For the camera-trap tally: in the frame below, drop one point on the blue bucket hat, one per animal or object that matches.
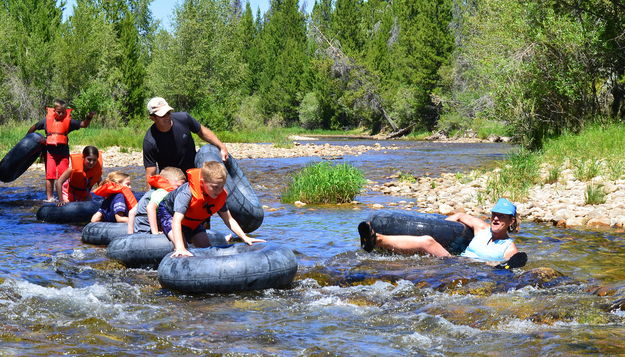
(504, 206)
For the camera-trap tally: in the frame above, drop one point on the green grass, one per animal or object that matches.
(517, 175)
(595, 194)
(322, 182)
(553, 176)
(596, 150)
(407, 177)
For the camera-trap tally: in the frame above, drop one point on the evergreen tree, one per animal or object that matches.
(282, 50)
(33, 28)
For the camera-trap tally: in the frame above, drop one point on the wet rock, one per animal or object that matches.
(601, 290)
(618, 305)
(299, 204)
(539, 276)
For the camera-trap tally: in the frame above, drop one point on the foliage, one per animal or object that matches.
(325, 183)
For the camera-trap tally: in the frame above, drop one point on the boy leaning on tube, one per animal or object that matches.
(182, 211)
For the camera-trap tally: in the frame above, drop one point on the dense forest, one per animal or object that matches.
(533, 67)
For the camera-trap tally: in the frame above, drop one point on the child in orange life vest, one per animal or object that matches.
(142, 218)
(182, 211)
(119, 199)
(76, 182)
(57, 124)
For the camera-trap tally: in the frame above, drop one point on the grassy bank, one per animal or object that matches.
(599, 150)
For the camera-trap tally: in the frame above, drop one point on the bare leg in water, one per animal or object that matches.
(411, 245)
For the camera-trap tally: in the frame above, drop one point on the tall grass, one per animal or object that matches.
(514, 179)
(595, 194)
(596, 150)
(325, 183)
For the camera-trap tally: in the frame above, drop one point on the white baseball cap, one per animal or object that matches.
(158, 106)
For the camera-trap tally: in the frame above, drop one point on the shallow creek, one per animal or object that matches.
(60, 296)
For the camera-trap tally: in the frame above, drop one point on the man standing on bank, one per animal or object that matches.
(168, 142)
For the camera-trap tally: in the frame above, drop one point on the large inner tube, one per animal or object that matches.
(146, 250)
(242, 200)
(453, 236)
(102, 233)
(21, 156)
(235, 268)
(72, 212)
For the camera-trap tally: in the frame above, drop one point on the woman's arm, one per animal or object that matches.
(512, 250)
(472, 222)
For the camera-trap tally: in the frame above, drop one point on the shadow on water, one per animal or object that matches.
(58, 295)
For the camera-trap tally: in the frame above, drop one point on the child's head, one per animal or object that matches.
(174, 175)
(119, 178)
(90, 155)
(60, 108)
(213, 178)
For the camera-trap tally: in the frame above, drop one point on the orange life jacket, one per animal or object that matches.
(57, 129)
(108, 188)
(81, 181)
(202, 206)
(159, 181)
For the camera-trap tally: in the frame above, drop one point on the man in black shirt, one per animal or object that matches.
(168, 142)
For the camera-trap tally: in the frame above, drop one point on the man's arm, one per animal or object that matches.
(149, 171)
(207, 135)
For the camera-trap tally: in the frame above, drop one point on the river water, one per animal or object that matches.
(60, 296)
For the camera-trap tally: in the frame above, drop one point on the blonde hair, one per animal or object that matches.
(116, 177)
(173, 174)
(214, 171)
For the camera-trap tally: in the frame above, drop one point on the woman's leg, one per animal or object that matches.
(411, 245)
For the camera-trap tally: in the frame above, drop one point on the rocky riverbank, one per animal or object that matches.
(122, 157)
(562, 203)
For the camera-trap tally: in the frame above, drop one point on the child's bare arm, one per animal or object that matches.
(151, 209)
(131, 220)
(121, 218)
(59, 185)
(180, 249)
(236, 229)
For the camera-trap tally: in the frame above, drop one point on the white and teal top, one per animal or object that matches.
(482, 248)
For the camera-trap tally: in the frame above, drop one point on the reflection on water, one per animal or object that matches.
(58, 295)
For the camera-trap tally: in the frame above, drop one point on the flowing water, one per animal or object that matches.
(60, 296)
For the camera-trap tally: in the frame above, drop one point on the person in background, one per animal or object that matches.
(168, 142)
(57, 124)
(118, 198)
(142, 218)
(85, 172)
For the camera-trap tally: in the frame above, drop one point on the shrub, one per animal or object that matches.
(325, 183)
(310, 112)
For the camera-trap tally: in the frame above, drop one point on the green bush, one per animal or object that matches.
(325, 183)
(310, 112)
